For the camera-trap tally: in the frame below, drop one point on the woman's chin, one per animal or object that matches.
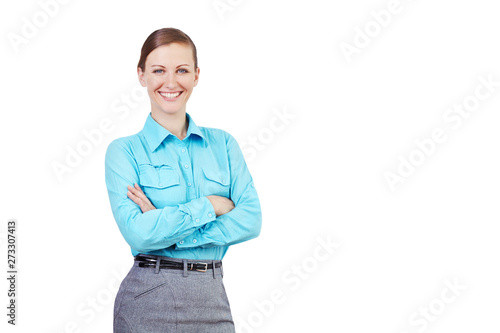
(169, 111)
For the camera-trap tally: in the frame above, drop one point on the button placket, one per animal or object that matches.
(187, 169)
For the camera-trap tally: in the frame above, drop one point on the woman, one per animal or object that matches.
(181, 195)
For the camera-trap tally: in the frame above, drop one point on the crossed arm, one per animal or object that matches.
(202, 222)
(222, 205)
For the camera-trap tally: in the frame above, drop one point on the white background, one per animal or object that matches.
(320, 178)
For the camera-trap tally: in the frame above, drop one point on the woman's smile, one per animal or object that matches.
(170, 96)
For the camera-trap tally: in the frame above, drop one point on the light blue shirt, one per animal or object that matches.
(177, 175)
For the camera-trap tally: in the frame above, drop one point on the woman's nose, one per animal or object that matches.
(170, 81)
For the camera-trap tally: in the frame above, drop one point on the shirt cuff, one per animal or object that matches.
(201, 211)
(190, 241)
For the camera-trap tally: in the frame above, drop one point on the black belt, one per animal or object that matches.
(152, 261)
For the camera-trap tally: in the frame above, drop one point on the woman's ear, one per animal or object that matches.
(140, 74)
(196, 76)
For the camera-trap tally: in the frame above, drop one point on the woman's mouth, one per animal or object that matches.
(170, 96)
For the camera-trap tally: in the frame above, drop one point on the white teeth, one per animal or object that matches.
(170, 95)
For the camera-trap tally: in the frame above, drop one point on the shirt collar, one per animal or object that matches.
(155, 133)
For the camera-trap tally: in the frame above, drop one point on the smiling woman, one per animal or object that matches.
(180, 195)
(169, 80)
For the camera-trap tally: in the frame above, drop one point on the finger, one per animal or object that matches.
(135, 199)
(134, 189)
(138, 192)
(131, 196)
(138, 188)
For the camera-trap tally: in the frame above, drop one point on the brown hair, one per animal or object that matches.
(162, 37)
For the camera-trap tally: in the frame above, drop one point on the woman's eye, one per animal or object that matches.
(182, 70)
(158, 71)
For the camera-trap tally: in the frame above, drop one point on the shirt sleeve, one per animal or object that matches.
(244, 221)
(155, 229)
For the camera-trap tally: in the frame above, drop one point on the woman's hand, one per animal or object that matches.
(136, 195)
(222, 205)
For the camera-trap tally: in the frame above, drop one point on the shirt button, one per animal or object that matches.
(194, 240)
(189, 184)
(160, 185)
(197, 220)
(181, 242)
(186, 166)
(183, 150)
(209, 214)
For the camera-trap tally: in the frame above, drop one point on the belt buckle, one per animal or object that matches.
(204, 269)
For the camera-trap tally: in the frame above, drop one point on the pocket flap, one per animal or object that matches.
(217, 176)
(158, 176)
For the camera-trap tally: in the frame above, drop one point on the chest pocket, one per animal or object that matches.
(216, 182)
(159, 177)
(161, 184)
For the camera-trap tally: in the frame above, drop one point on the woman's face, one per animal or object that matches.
(169, 76)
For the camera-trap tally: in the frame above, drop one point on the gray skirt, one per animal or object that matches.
(170, 300)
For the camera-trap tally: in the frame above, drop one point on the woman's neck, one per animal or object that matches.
(175, 123)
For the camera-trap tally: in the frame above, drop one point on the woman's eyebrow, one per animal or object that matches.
(164, 66)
